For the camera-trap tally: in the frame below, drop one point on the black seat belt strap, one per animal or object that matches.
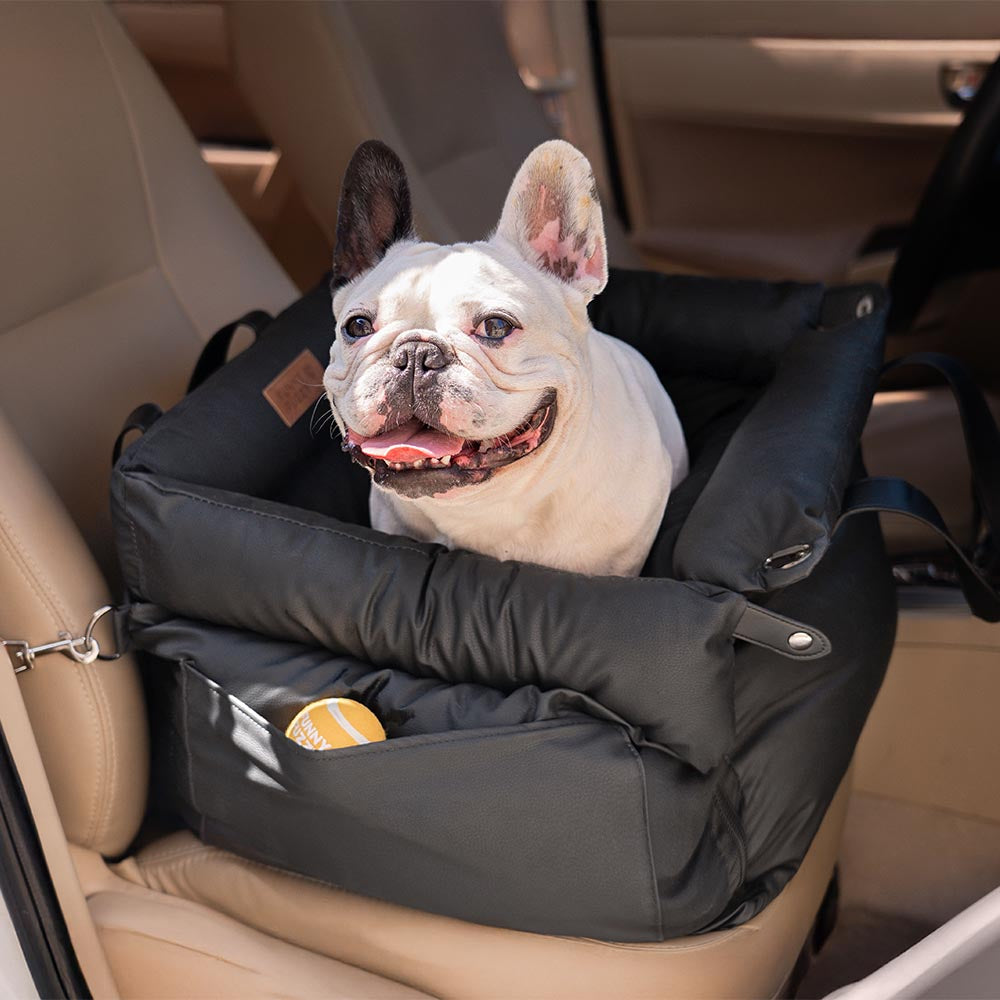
(982, 440)
(896, 496)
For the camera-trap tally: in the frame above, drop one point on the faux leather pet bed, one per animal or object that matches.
(625, 759)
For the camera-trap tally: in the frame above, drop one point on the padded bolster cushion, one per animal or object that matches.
(628, 644)
(808, 425)
(782, 478)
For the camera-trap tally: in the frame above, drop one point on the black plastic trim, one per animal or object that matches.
(27, 889)
(596, 37)
(885, 238)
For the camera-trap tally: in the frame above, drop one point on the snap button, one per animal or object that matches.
(800, 641)
(865, 306)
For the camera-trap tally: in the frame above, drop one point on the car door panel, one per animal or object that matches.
(775, 138)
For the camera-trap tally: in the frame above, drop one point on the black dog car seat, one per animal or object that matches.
(625, 759)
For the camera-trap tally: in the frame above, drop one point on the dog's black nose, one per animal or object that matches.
(422, 355)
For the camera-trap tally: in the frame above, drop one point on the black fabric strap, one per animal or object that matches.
(140, 419)
(213, 356)
(214, 353)
(896, 496)
(982, 438)
(982, 441)
(120, 631)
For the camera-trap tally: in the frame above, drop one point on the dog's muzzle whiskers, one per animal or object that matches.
(316, 425)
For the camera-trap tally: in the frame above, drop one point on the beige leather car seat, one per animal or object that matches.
(121, 254)
(433, 79)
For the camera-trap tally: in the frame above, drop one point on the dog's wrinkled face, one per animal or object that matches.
(457, 365)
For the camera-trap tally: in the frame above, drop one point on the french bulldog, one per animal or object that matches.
(468, 380)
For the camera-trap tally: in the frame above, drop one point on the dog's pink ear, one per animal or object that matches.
(553, 217)
(374, 210)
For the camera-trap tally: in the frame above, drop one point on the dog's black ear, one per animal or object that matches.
(374, 210)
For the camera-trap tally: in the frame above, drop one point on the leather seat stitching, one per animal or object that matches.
(33, 575)
(185, 860)
(154, 859)
(93, 715)
(20, 324)
(185, 857)
(131, 932)
(107, 747)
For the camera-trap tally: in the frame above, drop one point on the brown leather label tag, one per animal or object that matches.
(296, 388)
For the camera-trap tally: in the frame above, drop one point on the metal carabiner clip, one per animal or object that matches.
(82, 649)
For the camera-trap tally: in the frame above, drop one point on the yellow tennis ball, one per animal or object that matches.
(333, 723)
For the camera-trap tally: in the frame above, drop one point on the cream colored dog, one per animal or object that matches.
(468, 380)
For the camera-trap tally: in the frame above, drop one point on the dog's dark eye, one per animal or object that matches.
(358, 326)
(495, 328)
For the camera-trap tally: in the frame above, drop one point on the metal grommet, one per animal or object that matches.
(787, 558)
(865, 306)
(800, 641)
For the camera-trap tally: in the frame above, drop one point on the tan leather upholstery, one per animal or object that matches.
(163, 948)
(452, 959)
(19, 736)
(89, 721)
(121, 255)
(322, 77)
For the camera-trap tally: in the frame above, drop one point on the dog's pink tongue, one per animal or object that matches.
(408, 443)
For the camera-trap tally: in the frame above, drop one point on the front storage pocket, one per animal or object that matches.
(540, 827)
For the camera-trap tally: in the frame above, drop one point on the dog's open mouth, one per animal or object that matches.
(413, 453)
